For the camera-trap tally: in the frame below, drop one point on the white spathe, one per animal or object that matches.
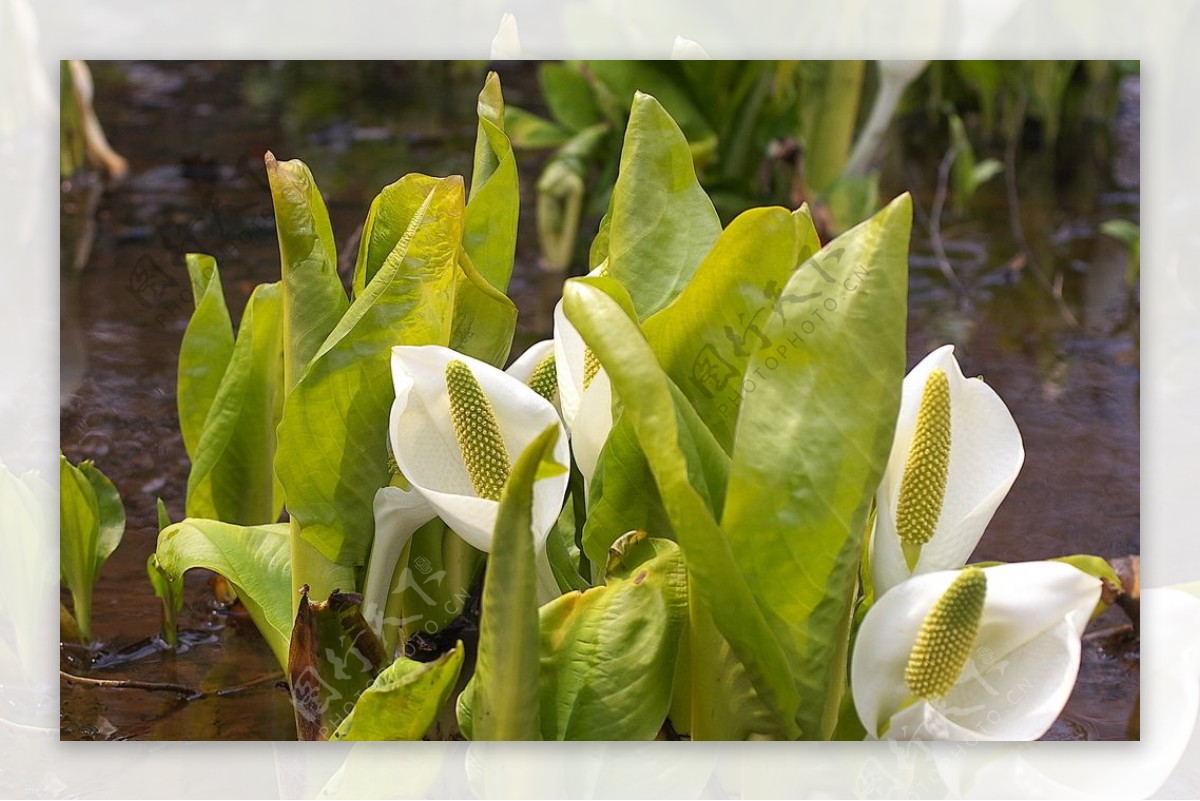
(587, 411)
(1022, 667)
(986, 454)
(398, 515)
(428, 454)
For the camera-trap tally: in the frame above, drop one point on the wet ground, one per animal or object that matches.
(1055, 334)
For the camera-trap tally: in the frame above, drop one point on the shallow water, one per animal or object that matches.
(195, 135)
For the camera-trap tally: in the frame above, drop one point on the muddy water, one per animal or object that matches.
(195, 135)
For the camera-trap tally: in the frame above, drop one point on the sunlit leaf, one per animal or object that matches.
(79, 536)
(205, 351)
(674, 441)
(313, 297)
(490, 226)
(801, 483)
(332, 453)
(705, 338)
(404, 700)
(608, 653)
(254, 559)
(661, 224)
(232, 477)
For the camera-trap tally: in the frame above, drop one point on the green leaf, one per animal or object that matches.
(561, 552)
(388, 219)
(569, 96)
(79, 540)
(111, 514)
(332, 453)
(624, 496)
(164, 519)
(801, 484)
(170, 593)
(662, 224)
(531, 132)
(313, 297)
(669, 437)
(624, 80)
(968, 174)
(254, 559)
(490, 224)
(828, 139)
(232, 477)
(484, 317)
(705, 337)
(608, 653)
(503, 695)
(404, 700)
(333, 657)
(985, 78)
(205, 351)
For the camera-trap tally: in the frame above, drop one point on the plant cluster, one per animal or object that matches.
(712, 505)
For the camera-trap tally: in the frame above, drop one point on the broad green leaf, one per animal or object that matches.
(332, 658)
(79, 540)
(662, 224)
(704, 339)
(503, 694)
(232, 479)
(254, 559)
(669, 442)
(110, 514)
(205, 351)
(313, 297)
(332, 453)
(404, 700)
(608, 653)
(802, 483)
(389, 217)
(490, 224)
(529, 131)
(484, 317)
(569, 96)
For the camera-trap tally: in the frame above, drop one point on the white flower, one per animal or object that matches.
(978, 654)
(585, 395)
(955, 455)
(456, 426)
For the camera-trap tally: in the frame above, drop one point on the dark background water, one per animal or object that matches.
(195, 134)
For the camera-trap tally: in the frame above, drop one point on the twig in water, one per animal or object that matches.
(131, 684)
(189, 693)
